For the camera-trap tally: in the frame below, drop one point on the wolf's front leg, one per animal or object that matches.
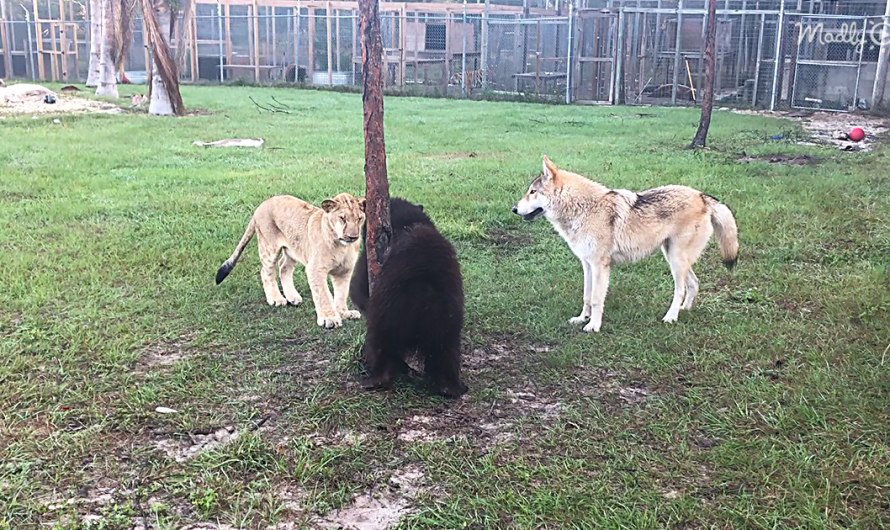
(588, 287)
(327, 316)
(341, 293)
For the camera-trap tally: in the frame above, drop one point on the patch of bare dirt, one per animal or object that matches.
(196, 443)
(788, 160)
(163, 353)
(611, 388)
(26, 99)
(506, 238)
(381, 507)
(831, 128)
(795, 307)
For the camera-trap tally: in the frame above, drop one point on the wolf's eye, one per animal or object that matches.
(532, 192)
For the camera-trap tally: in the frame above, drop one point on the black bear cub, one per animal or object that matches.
(417, 307)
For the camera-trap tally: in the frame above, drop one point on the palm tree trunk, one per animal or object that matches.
(707, 102)
(107, 68)
(95, 43)
(165, 97)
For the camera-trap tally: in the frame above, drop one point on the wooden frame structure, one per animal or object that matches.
(55, 30)
(329, 12)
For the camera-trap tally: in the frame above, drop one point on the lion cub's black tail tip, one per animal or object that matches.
(223, 271)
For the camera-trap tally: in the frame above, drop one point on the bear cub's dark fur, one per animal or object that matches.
(417, 308)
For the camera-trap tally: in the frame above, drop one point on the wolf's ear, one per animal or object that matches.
(328, 205)
(549, 168)
(361, 203)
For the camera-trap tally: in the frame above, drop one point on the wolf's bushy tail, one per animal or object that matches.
(229, 264)
(726, 232)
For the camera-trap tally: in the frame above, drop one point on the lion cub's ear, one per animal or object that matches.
(328, 205)
(361, 203)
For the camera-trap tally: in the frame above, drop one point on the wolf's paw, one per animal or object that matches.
(330, 321)
(350, 314)
(592, 327)
(669, 319)
(578, 320)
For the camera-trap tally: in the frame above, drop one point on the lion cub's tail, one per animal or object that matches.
(229, 264)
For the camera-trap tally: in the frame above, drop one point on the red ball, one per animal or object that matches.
(857, 134)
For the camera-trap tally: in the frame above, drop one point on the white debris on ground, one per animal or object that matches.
(28, 99)
(381, 508)
(232, 142)
(182, 450)
(831, 128)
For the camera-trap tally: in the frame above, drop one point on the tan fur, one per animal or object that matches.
(604, 226)
(325, 240)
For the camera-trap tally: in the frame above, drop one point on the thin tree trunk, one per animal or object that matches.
(707, 102)
(379, 230)
(95, 43)
(107, 68)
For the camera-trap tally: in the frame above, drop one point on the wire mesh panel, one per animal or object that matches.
(829, 55)
(597, 40)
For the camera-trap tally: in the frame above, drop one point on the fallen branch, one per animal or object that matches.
(267, 109)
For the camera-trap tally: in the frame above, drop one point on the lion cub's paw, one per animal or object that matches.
(277, 302)
(330, 321)
(297, 300)
(350, 314)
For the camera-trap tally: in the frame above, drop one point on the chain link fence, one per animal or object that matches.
(640, 53)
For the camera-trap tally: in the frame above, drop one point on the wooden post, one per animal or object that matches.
(403, 43)
(330, 51)
(416, 46)
(75, 41)
(228, 36)
(40, 67)
(446, 72)
(63, 41)
(274, 38)
(4, 40)
(337, 38)
(354, 45)
(53, 56)
(296, 44)
(194, 49)
(256, 42)
(310, 66)
(266, 44)
(379, 230)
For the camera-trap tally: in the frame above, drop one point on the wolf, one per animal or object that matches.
(604, 226)
(416, 309)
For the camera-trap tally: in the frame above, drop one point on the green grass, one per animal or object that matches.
(767, 406)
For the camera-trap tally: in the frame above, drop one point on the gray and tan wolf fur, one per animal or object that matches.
(325, 240)
(604, 226)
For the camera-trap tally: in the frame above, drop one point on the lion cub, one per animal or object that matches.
(325, 240)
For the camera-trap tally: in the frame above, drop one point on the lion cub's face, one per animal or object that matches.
(345, 215)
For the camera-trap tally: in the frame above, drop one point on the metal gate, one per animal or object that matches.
(828, 70)
(597, 50)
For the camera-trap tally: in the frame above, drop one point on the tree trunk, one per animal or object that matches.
(707, 102)
(107, 68)
(379, 230)
(95, 42)
(165, 97)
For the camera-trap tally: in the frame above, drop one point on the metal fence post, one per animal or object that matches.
(779, 30)
(569, 53)
(859, 64)
(297, 46)
(463, 56)
(619, 55)
(757, 62)
(483, 63)
(222, 76)
(30, 44)
(677, 53)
